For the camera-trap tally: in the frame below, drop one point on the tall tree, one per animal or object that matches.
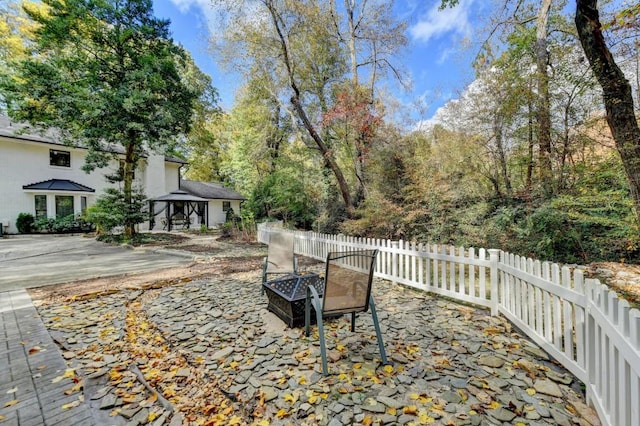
(616, 90)
(106, 73)
(544, 98)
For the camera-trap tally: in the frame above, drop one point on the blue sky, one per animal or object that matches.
(438, 64)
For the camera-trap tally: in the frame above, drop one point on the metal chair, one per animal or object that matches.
(347, 289)
(280, 257)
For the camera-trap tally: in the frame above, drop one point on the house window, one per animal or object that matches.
(226, 206)
(83, 204)
(41, 207)
(64, 205)
(59, 158)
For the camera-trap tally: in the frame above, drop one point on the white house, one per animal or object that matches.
(42, 176)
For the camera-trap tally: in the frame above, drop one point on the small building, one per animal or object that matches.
(221, 199)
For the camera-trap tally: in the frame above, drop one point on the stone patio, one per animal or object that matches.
(208, 352)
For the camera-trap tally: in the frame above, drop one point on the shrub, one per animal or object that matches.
(25, 222)
(111, 210)
(65, 224)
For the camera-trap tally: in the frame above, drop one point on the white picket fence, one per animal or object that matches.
(580, 323)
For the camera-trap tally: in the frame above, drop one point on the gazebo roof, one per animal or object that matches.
(180, 195)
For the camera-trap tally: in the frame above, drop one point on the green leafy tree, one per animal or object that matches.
(106, 74)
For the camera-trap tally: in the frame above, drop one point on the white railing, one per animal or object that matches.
(580, 323)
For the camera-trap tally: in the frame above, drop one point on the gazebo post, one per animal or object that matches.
(168, 214)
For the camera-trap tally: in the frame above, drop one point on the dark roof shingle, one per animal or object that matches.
(210, 190)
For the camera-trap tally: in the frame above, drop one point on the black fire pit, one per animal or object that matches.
(287, 296)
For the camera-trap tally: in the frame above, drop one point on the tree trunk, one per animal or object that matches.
(617, 94)
(300, 111)
(544, 113)
(127, 176)
(529, 178)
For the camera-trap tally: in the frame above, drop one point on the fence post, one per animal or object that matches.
(394, 260)
(493, 259)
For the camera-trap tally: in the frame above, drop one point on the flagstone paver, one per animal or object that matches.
(452, 364)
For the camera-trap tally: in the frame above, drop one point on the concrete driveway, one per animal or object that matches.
(38, 260)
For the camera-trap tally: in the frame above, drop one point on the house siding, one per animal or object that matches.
(24, 162)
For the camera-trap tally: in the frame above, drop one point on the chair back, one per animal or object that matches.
(348, 278)
(280, 257)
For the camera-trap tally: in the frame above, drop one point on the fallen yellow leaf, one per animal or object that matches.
(282, 413)
(494, 405)
(11, 403)
(531, 391)
(410, 409)
(290, 398)
(235, 420)
(388, 368)
(425, 419)
(70, 405)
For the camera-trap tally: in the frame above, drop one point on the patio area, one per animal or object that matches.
(208, 352)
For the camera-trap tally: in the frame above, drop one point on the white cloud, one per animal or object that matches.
(206, 7)
(436, 23)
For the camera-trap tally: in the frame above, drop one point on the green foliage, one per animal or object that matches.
(70, 223)
(24, 222)
(111, 210)
(105, 74)
(281, 196)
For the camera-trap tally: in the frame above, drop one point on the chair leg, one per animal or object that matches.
(312, 297)
(353, 322)
(383, 354)
(264, 276)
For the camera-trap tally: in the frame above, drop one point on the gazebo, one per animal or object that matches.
(179, 206)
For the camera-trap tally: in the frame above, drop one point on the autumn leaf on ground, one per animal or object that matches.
(2, 417)
(71, 405)
(235, 420)
(425, 419)
(11, 403)
(34, 350)
(290, 398)
(14, 390)
(388, 368)
(410, 409)
(282, 413)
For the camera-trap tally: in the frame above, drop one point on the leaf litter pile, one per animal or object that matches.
(134, 371)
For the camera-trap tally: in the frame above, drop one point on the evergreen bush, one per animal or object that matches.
(25, 222)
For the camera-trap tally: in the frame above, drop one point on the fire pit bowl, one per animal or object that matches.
(287, 295)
